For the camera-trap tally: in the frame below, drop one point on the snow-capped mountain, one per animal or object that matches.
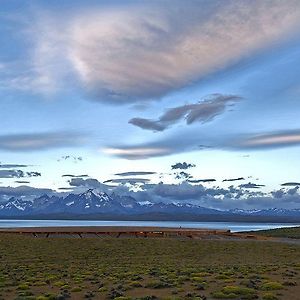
(267, 212)
(15, 207)
(93, 202)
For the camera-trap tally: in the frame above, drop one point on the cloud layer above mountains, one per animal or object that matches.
(245, 196)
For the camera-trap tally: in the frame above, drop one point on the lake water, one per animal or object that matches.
(233, 226)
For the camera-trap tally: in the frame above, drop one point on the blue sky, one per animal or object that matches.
(102, 87)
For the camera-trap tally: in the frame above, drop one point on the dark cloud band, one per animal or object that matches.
(203, 112)
(135, 173)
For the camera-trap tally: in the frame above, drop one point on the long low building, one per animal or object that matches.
(122, 231)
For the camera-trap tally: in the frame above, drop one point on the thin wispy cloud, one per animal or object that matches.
(269, 140)
(127, 180)
(22, 181)
(135, 173)
(12, 166)
(190, 142)
(233, 179)
(136, 152)
(40, 141)
(75, 176)
(251, 185)
(291, 184)
(201, 180)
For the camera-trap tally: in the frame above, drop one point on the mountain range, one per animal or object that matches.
(93, 204)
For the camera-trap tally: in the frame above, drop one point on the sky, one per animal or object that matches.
(194, 101)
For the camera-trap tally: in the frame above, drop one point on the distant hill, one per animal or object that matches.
(96, 205)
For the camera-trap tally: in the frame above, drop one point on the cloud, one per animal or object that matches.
(182, 166)
(11, 173)
(149, 49)
(40, 141)
(22, 181)
(128, 180)
(278, 194)
(81, 184)
(148, 124)
(185, 192)
(268, 140)
(293, 191)
(192, 142)
(162, 147)
(183, 175)
(74, 176)
(234, 179)
(33, 174)
(89, 183)
(136, 152)
(291, 184)
(250, 185)
(135, 173)
(201, 180)
(203, 112)
(181, 191)
(219, 198)
(12, 166)
(75, 159)
(23, 191)
(17, 174)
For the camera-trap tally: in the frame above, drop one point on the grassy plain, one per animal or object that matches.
(137, 268)
(292, 232)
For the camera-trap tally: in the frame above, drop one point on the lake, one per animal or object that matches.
(233, 226)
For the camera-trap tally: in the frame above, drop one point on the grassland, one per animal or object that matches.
(292, 232)
(136, 268)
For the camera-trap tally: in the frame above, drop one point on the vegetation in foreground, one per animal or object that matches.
(133, 268)
(291, 232)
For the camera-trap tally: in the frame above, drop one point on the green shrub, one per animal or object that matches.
(76, 289)
(41, 298)
(271, 285)
(59, 283)
(197, 279)
(232, 289)
(269, 296)
(23, 286)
